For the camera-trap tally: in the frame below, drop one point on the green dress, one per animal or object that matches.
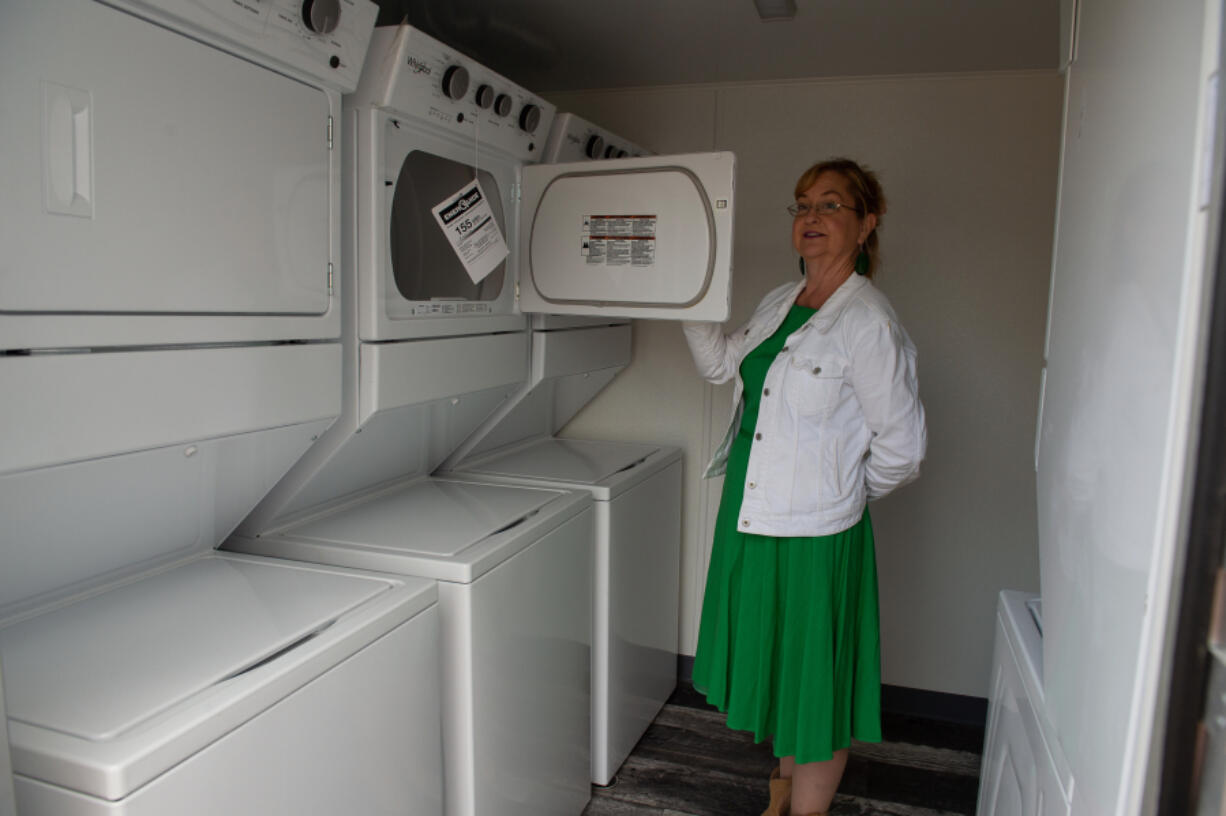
(788, 644)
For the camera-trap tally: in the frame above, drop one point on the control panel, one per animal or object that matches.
(325, 39)
(414, 76)
(573, 139)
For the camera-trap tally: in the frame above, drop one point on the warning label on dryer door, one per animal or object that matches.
(619, 240)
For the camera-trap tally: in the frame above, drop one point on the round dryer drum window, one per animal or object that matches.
(424, 264)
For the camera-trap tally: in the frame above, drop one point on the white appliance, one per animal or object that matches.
(1025, 772)
(636, 488)
(428, 121)
(170, 214)
(637, 493)
(573, 139)
(649, 238)
(513, 567)
(1122, 389)
(428, 356)
(228, 684)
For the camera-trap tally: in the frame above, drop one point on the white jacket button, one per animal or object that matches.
(752, 485)
(745, 523)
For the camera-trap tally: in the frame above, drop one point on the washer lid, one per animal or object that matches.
(432, 518)
(579, 461)
(104, 665)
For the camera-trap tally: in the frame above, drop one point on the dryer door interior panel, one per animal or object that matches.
(646, 237)
(199, 190)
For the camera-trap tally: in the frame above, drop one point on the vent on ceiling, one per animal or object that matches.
(775, 10)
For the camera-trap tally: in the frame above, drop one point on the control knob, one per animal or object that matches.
(595, 144)
(484, 96)
(455, 82)
(530, 118)
(321, 16)
(502, 105)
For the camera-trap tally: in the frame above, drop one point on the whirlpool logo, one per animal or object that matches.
(418, 66)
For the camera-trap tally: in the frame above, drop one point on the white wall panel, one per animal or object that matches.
(1121, 396)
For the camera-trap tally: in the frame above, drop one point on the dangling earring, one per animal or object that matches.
(803, 271)
(862, 261)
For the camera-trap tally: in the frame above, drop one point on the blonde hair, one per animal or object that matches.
(865, 188)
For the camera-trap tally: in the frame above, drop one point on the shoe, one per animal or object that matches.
(781, 796)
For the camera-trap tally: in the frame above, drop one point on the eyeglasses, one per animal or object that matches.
(799, 209)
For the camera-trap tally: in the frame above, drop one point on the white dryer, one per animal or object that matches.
(169, 350)
(429, 123)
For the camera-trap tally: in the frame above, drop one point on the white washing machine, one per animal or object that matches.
(513, 567)
(169, 350)
(227, 684)
(1024, 771)
(637, 490)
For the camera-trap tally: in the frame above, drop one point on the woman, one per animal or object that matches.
(827, 415)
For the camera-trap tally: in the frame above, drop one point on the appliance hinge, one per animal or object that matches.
(329, 132)
(329, 278)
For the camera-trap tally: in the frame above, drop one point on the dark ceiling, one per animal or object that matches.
(563, 45)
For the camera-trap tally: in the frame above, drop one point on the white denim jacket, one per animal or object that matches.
(840, 420)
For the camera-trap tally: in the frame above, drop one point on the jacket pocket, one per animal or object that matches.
(811, 387)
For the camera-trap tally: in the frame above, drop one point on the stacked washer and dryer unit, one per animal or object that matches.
(170, 213)
(636, 488)
(429, 355)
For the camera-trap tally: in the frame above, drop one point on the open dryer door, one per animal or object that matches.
(646, 237)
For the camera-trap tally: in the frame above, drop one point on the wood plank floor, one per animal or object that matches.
(689, 764)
